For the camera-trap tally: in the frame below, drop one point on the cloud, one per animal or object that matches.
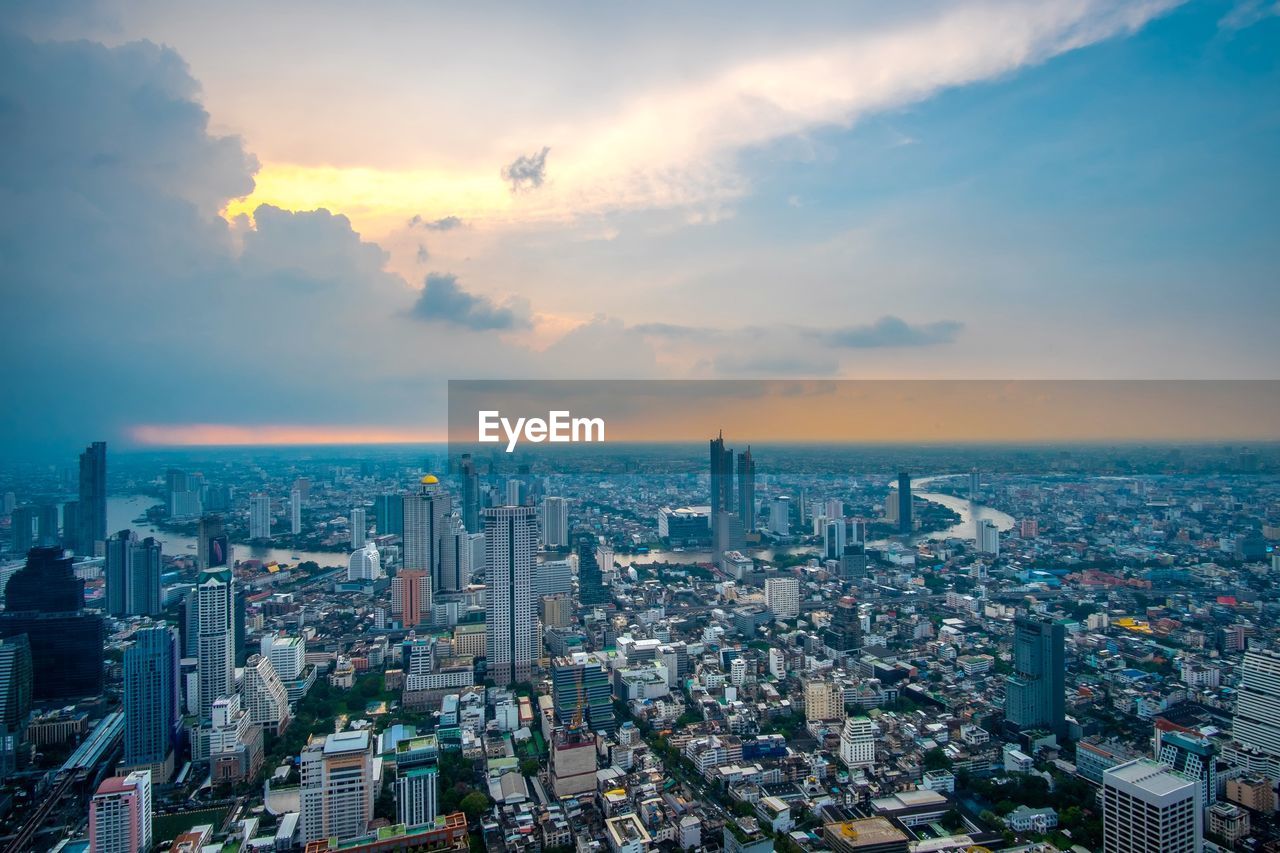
(527, 172)
(445, 223)
(1246, 13)
(892, 332)
(444, 301)
(423, 255)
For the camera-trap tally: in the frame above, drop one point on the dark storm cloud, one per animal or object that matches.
(527, 172)
(444, 301)
(892, 332)
(446, 223)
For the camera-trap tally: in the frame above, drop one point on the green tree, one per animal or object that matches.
(474, 804)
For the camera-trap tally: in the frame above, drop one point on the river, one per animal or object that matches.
(122, 510)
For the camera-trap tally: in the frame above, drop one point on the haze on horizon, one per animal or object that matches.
(294, 223)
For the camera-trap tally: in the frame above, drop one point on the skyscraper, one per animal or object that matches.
(1194, 757)
(133, 575)
(259, 516)
(721, 464)
(45, 600)
(424, 515)
(337, 791)
(265, 697)
(1035, 695)
(15, 683)
(591, 589)
(410, 596)
(47, 525)
(511, 538)
(215, 652)
(470, 494)
(747, 490)
(120, 815)
(151, 715)
(22, 530)
(780, 516)
(1257, 720)
(388, 515)
(92, 513)
(359, 527)
(988, 538)
(1148, 807)
(455, 557)
(295, 512)
(782, 596)
(555, 522)
(365, 564)
(904, 503)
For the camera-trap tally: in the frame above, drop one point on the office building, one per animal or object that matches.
(45, 600)
(215, 641)
(746, 506)
(265, 698)
(151, 712)
(22, 522)
(555, 522)
(416, 789)
(1146, 806)
(295, 512)
(288, 655)
(552, 577)
(823, 700)
(858, 743)
(591, 588)
(359, 528)
(556, 611)
(843, 635)
(1257, 719)
(782, 597)
(470, 494)
(582, 695)
(1194, 757)
(833, 538)
(780, 516)
(91, 512)
(338, 787)
(388, 515)
(1035, 695)
(686, 525)
(511, 536)
(424, 516)
(133, 575)
(47, 525)
(120, 815)
(455, 555)
(905, 521)
(365, 564)
(15, 683)
(259, 516)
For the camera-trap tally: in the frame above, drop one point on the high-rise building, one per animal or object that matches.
(721, 467)
(581, 694)
(337, 792)
(1146, 806)
(988, 538)
(1194, 757)
(782, 597)
(747, 490)
(45, 600)
(288, 655)
(184, 494)
(455, 555)
(823, 700)
(411, 597)
(151, 714)
(213, 547)
(265, 697)
(15, 684)
(359, 528)
(844, 635)
(416, 795)
(1035, 695)
(591, 589)
(905, 521)
(365, 564)
(47, 525)
(295, 512)
(22, 530)
(833, 538)
(120, 815)
(552, 577)
(215, 653)
(424, 515)
(511, 538)
(555, 522)
(780, 516)
(91, 514)
(974, 484)
(388, 515)
(1257, 719)
(470, 494)
(260, 516)
(858, 743)
(133, 575)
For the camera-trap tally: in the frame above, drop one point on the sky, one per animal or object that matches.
(297, 220)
